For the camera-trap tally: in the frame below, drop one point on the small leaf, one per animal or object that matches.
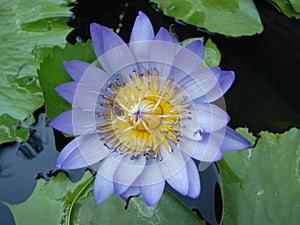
(52, 73)
(212, 56)
(234, 18)
(12, 130)
(268, 186)
(61, 202)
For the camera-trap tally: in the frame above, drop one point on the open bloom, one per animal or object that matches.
(144, 114)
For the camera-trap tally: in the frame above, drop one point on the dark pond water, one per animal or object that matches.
(264, 96)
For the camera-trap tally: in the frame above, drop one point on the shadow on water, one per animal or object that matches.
(21, 164)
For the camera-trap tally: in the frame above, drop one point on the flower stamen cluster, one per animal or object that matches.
(144, 113)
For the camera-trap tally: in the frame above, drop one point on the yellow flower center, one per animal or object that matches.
(144, 114)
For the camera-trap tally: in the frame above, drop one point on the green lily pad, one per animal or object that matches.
(212, 56)
(26, 25)
(233, 18)
(19, 97)
(290, 8)
(296, 5)
(12, 129)
(262, 185)
(52, 73)
(60, 201)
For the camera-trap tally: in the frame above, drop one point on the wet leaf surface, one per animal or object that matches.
(49, 81)
(60, 201)
(262, 185)
(289, 8)
(26, 25)
(233, 18)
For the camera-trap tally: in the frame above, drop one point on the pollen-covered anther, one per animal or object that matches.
(145, 114)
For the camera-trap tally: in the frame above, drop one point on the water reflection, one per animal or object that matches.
(21, 164)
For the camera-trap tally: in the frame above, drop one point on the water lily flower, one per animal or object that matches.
(145, 114)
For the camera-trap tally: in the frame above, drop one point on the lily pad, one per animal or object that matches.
(52, 73)
(262, 185)
(212, 56)
(26, 25)
(60, 201)
(296, 5)
(289, 8)
(12, 130)
(233, 18)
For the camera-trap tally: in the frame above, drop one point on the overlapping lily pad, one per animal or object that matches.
(289, 8)
(61, 202)
(52, 73)
(233, 18)
(262, 185)
(25, 26)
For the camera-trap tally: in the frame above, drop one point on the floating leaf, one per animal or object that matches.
(19, 96)
(52, 73)
(26, 25)
(234, 18)
(289, 8)
(296, 5)
(262, 185)
(12, 130)
(212, 56)
(60, 201)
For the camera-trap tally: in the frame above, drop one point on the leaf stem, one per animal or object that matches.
(75, 199)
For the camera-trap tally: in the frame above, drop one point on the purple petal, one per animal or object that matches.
(173, 169)
(151, 174)
(200, 82)
(152, 193)
(140, 40)
(81, 152)
(108, 167)
(203, 118)
(224, 83)
(142, 29)
(127, 172)
(197, 47)
(103, 189)
(189, 59)
(104, 39)
(79, 94)
(75, 122)
(208, 149)
(162, 52)
(234, 141)
(76, 68)
(86, 73)
(130, 191)
(180, 181)
(194, 180)
(164, 35)
(112, 53)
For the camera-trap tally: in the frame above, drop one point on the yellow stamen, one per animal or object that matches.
(143, 115)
